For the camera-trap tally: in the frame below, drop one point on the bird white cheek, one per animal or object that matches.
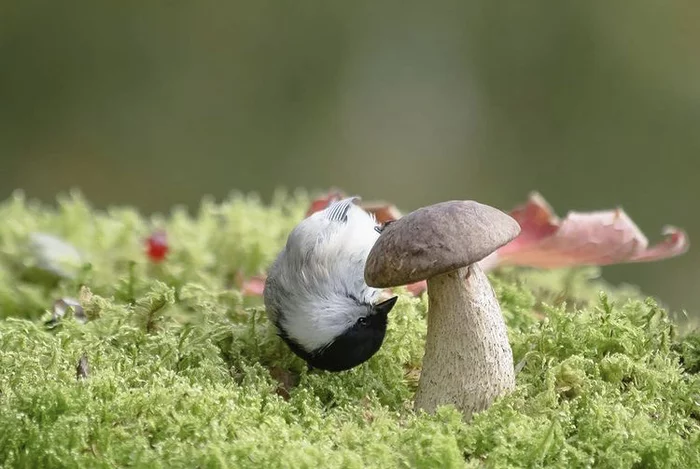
(329, 318)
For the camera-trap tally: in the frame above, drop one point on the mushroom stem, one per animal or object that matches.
(468, 361)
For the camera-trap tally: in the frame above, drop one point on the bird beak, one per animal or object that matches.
(384, 307)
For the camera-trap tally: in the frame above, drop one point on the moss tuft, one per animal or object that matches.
(180, 369)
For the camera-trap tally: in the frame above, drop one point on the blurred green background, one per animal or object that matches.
(594, 104)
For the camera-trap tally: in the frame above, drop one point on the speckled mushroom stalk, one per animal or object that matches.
(468, 361)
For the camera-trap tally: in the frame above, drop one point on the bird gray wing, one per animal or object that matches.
(338, 211)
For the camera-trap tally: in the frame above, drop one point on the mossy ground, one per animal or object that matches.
(185, 372)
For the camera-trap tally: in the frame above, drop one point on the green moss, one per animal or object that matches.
(185, 372)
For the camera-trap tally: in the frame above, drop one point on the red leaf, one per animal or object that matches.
(582, 238)
(253, 286)
(537, 221)
(417, 288)
(383, 212)
(321, 203)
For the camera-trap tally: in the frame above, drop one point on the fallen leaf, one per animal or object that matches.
(324, 201)
(417, 288)
(286, 381)
(254, 286)
(582, 238)
(383, 212)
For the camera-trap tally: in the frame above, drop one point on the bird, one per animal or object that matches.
(315, 294)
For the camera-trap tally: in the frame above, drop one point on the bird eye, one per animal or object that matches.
(362, 321)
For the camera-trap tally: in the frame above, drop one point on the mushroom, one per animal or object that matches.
(468, 361)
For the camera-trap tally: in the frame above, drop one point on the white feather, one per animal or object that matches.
(310, 283)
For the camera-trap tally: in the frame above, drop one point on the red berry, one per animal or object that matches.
(157, 246)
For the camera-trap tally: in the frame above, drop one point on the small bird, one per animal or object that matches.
(315, 293)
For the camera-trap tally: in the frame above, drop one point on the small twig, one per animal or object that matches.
(82, 370)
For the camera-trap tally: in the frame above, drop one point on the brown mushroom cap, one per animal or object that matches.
(435, 240)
